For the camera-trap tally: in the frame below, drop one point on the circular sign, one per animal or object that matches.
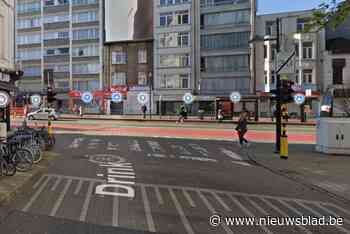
(35, 100)
(4, 99)
(235, 97)
(299, 98)
(188, 98)
(87, 97)
(116, 97)
(142, 98)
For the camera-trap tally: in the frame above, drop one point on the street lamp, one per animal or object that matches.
(150, 83)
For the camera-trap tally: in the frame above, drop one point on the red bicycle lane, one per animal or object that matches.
(191, 133)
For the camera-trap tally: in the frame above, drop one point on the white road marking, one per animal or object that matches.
(115, 220)
(54, 187)
(76, 143)
(60, 198)
(147, 207)
(179, 209)
(199, 159)
(182, 149)
(87, 202)
(231, 154)
(188, 197)
(221, 201)
(248, 212)
(38, 182)
(155, 146)
(332, 212)
(77, 189)
(135, 146)
(268, 203)
(256, 206)
(112, 147)
(159, 196)
(200, 149)
(242, 163)
(36, 195)
(290, 207)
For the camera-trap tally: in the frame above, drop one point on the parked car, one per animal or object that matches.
(43, 114)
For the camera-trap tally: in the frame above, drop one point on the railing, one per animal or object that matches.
(213, 3)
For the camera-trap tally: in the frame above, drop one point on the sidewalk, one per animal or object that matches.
(323, 172)
(192, 119)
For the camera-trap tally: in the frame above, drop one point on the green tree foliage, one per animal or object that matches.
(331, 13)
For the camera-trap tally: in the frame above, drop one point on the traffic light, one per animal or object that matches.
(50, 95)
(287, 91)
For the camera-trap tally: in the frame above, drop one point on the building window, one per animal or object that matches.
(175, 39)
(142, 55)
(58, 67)
(223, 18)
(182, 17)
(32, 71)
(28, 39)
(172, 2)
(83, 2)
(225, 41)
(56, 35)
(85, 16)
(165, 19)
(86, 85)
(265, 51)
(273, 51)
(119, 57)
(118, 78)
(86, 34)
(29, 54)
(55, 18)
(174, 81)
(29, 23)
(28, 7)
(82, 51)
(55, 2)
(175, 60)
(142, 78)
(307, 76)
(270, 28)
(307, 50)
(229, 63)
(302, 24)
(86, 68)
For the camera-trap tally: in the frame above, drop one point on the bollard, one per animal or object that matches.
(284, 143)
(49, 128)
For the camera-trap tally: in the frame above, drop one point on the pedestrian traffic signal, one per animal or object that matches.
(50, 95)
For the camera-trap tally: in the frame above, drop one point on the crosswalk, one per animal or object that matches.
(160, 149)
(172, 209)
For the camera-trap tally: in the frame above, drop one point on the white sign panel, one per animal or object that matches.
(35, 100)
(4, 99)
(143, 98)
(87, 97)
(308, 92)
(188, 98)
(299, 98)
(235, 97)
(116, 97)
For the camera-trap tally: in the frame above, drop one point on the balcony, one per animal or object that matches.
(219, 3)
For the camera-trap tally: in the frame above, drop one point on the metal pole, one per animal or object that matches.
(150, 93)
(278, 96)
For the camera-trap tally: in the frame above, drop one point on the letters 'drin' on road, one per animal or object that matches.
(120, 179)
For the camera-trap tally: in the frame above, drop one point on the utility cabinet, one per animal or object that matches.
(333, 135)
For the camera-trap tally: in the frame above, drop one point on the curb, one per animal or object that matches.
(298, 179)
(11, 186)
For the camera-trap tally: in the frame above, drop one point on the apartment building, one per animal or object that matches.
(128, 53)
(201, 47)
(305, 69)
(62, 36)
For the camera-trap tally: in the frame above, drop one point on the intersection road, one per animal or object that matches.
(168, 186)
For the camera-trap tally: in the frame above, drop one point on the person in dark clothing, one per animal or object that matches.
(183, 114)
(144, 110)
(242, 128)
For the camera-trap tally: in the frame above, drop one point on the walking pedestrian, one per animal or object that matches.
(80, 111)
(182, 114)
(144, 110)
(242, 128)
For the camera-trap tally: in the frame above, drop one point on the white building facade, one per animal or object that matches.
(7, 19)
(305, 69)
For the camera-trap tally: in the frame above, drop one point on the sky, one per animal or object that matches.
(273, 6)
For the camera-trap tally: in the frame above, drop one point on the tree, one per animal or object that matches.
(331, 13)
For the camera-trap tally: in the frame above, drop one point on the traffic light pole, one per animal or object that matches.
(278, 96)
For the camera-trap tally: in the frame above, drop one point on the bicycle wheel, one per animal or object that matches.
(38, 154)
(23, 159)
(10, 168)
(3, 167)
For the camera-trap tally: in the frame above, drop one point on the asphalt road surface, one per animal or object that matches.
(100, 184)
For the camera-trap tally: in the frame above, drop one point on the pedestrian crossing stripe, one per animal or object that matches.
(185, 200)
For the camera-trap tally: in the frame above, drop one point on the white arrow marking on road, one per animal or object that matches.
(155, 146)
(231, 154)
(201, 150)
(135, 146)
(242, 163)
(182, 149)
(112, 147)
